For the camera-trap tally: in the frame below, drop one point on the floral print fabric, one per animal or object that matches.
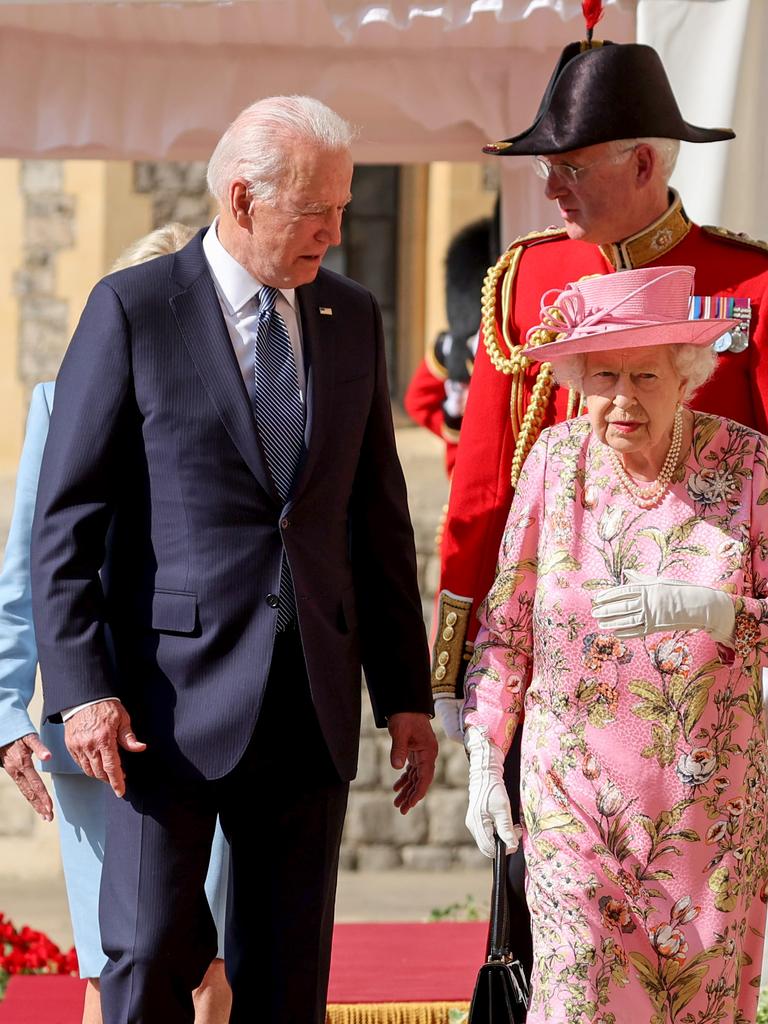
(644, 761)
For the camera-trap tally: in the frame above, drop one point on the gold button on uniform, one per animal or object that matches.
(448, 633)
(443, 658)
(451, 619)
(440, 672)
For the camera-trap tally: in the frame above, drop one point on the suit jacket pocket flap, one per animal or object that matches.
(174, 611)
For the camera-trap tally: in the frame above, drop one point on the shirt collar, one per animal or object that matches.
(233, 282)
(653, 241)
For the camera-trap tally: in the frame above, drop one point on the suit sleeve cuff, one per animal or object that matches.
(67, 713)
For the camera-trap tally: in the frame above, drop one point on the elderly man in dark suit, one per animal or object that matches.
(222, 432)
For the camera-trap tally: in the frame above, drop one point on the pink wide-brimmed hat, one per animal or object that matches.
(628, 309)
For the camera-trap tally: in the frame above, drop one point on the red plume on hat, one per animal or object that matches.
(593, 12)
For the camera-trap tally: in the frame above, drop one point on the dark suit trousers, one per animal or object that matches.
(282, 809)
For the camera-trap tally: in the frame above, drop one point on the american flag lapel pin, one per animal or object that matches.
(326, 310)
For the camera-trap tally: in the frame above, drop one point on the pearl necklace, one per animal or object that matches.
(650, 495)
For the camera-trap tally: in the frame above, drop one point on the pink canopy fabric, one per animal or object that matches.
(425, 81)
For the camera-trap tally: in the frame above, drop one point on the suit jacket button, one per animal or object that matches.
(273, 600)
(284, 523)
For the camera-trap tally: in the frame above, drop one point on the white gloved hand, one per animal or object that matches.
(650, 605)
(489, 809)
(448, 710)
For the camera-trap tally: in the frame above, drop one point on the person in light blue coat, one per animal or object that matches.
(79, 800)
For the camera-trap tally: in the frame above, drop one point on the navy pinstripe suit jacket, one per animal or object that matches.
(153, 468)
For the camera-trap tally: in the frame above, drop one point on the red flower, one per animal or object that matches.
(32, 952)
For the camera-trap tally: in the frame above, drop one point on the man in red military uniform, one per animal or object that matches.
(605, 141)
(426, 395)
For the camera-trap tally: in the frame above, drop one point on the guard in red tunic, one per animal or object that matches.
(604, 141)
(437, 393)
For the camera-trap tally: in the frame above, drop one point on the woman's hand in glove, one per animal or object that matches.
(650, 605)
(448, 710)
(489, 809)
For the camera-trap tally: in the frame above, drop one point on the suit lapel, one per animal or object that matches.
(317, 336)
(199, 316)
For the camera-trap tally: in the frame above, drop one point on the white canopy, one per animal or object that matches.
(429, 80)
(152, 80)
(714, 54)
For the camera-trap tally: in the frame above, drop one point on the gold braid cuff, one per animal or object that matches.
(452, 650)
(526, 422)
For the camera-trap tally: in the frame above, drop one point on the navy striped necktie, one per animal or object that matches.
(279, 418)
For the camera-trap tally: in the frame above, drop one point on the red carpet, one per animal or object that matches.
(372, 964)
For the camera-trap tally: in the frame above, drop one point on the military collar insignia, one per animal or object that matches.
(650, 243)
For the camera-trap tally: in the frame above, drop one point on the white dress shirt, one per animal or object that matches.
(238, 294)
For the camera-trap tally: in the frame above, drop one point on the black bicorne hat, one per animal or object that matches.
(601, 93)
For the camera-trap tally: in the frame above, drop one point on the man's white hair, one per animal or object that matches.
(693, 364)
(667, 151)
(254, 147)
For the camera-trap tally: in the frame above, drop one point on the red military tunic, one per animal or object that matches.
(423, 401)
(436, 402)
(481, 490)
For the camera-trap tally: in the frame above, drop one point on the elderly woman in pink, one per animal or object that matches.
(629, 619)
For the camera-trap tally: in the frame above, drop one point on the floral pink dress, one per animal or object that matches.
(644, 761)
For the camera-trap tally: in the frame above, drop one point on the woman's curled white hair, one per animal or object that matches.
(693, 364)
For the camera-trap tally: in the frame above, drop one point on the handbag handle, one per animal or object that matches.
(499, 905)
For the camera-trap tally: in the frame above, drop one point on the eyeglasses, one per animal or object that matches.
(567, 173)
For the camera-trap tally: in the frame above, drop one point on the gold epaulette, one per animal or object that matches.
(737, 237)
(506, 266)
(526, 422)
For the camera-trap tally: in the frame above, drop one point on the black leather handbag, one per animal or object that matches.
(501, 991)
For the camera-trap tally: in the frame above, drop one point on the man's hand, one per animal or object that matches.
(94, 735)
(413, 742)
(16, 758)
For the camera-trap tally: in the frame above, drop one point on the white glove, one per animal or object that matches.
(489, 809)
(649, 605)
(448, 710)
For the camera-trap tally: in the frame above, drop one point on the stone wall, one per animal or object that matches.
(49, 227)
(178, 191)
(432, 836)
